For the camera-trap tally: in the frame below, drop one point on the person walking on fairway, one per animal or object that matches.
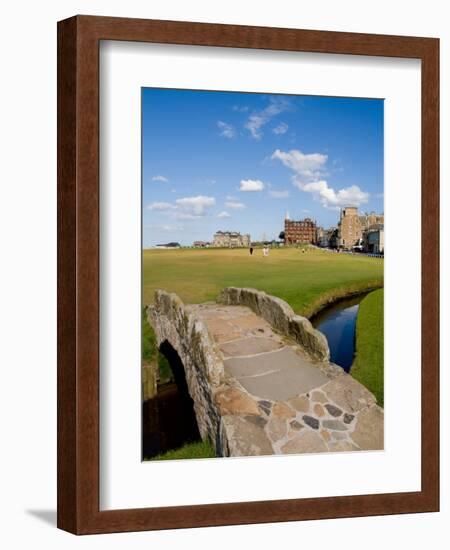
(251, 251)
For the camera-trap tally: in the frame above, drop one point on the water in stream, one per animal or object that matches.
(338, 323)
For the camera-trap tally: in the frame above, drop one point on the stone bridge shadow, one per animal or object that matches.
(169, 419)
(259, 379)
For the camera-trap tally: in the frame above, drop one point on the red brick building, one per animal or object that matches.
(301, 231)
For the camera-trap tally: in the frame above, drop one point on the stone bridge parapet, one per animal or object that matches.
(281, 317)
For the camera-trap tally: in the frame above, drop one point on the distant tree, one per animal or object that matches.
(281, 235)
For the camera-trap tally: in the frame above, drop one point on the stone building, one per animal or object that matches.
(350, 230)
(300, 231)
(368, 221)
(327, 238)
(231, 239)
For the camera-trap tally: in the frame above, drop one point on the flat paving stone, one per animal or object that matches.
(246, 438)
(249, 346)
(369, 430)
(278, 375)
(306, 442)
(251, 321)
(221, 330)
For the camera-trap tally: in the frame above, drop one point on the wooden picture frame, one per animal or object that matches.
(78, 274)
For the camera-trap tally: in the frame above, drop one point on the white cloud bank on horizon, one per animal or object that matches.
(164, 227)
(309, 173)
(251, 185)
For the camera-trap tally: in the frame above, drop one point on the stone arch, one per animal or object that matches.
(169, 418)
(179, 375)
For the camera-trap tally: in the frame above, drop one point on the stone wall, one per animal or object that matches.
(172, 322)
(281, 316)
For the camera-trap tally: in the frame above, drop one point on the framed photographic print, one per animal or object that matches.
(247, 274)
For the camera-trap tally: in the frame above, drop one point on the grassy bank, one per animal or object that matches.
(307, 281)
(201, 449)
(368, 366)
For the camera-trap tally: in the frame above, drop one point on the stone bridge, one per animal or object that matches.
(261, 379)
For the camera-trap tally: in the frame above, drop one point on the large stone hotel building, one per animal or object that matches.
(299, 231)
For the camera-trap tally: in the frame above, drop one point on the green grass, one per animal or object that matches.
(307, 281)
(150, 351)
(165, 372)
(149, 348)
(201, 449)
(368, 365)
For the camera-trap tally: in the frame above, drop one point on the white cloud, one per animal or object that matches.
(331, 199)
(224, 215)
(161, 206)
(282, 128)
(251, 185)
(160, 178)
(225, 129)
(279, 194)
(187, 208)
(195, 206)
(309, 170)
(235, 205)
(257, 120)
(306, 166)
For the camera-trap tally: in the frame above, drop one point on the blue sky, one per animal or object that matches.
(239, 161)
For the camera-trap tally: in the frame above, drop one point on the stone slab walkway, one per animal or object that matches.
(276, 399)
(276, 375)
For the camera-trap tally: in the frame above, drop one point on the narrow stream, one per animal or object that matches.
(338, 323)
